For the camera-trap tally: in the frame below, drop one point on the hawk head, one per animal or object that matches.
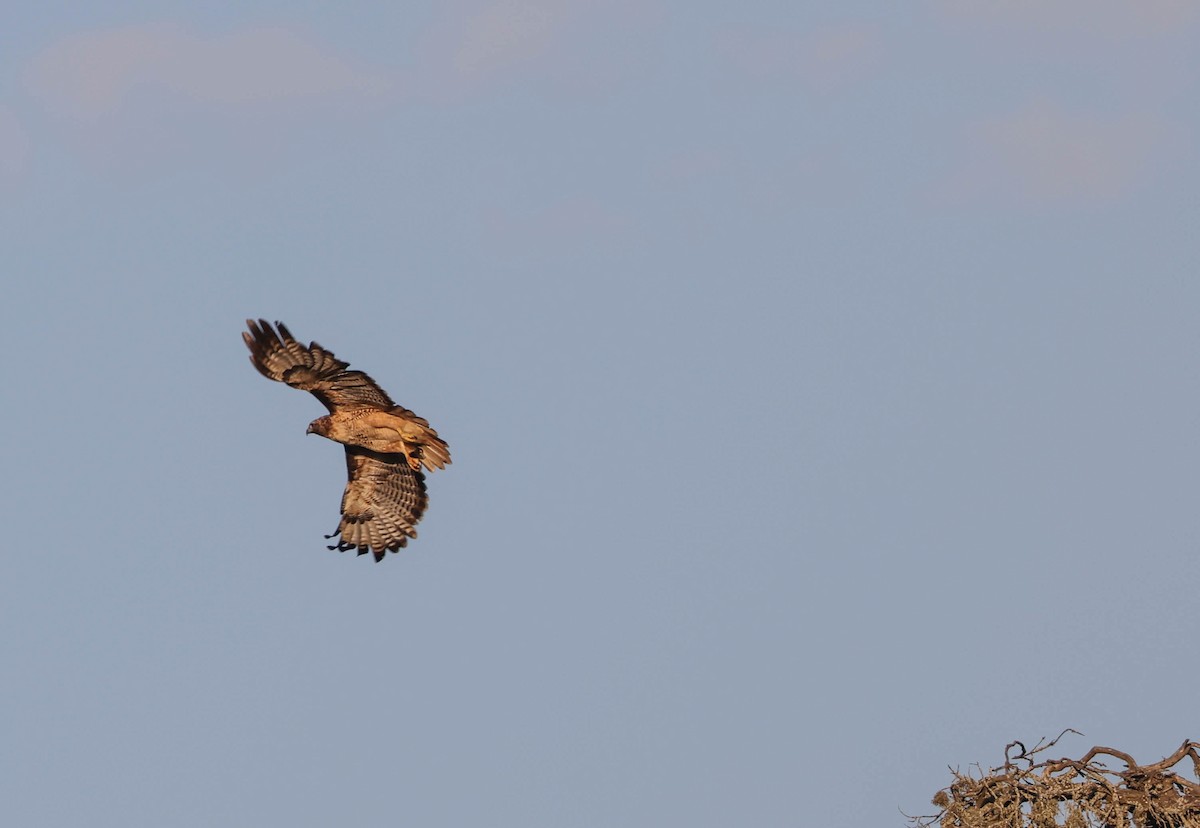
(319, 426)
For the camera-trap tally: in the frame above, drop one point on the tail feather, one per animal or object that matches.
(423, 442)
(435, 453)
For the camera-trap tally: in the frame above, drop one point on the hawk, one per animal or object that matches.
(386, 445)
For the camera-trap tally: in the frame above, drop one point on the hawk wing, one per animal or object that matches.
(383, 501)
(278, 356)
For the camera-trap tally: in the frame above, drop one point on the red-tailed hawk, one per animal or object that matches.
(386, 445)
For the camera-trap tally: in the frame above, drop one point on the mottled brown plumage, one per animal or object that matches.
(386, 444)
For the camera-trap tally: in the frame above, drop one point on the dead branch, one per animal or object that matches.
(1072, 793)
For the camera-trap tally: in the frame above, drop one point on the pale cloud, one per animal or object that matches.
(1111, 18)
(506, 33)
(825, 60)
(1046, 154)
(576, 46)
(93, 73)
(14, 144)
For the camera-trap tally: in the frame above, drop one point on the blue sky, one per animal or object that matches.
(820, 380)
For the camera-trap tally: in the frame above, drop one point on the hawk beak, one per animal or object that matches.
(309, 430)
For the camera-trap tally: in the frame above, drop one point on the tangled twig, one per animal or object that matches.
(1072, 793)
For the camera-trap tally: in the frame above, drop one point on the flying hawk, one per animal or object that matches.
(386, 445)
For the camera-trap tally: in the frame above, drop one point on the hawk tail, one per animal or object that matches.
(435, 453)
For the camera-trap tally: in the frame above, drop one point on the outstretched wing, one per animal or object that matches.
(278, 356)
(383, 502)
